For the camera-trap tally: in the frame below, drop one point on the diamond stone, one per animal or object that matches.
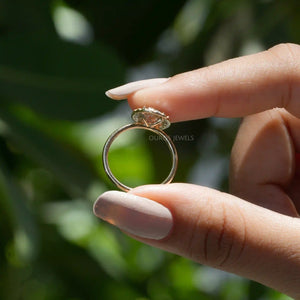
(150, 117)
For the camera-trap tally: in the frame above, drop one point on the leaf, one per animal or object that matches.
(69, 167)
(14, 202)
(58, 79)
(22, 16)
(133, 26)
(104, 248)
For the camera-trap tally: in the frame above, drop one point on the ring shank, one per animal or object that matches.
(115, 134)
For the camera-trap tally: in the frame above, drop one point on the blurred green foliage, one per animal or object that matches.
(57, 58)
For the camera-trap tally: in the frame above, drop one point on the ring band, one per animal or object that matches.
(148, 127)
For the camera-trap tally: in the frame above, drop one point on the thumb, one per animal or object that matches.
(212, 228)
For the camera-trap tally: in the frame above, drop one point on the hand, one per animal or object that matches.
(256, 233)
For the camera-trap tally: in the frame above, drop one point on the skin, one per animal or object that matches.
(255, 230)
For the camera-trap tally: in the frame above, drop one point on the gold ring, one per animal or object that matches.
(146, 118)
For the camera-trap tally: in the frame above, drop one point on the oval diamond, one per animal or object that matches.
(150, 117)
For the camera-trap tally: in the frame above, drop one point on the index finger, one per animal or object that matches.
(234, 88)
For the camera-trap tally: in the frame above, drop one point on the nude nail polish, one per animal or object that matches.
(123, 91)
(136, 215)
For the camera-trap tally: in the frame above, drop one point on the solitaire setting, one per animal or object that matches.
(146, 118)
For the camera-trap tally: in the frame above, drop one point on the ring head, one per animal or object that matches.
(150, 117)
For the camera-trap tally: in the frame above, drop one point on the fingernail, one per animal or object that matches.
(136, 215)
(123, 91)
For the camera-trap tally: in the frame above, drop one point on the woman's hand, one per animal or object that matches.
(255, 233)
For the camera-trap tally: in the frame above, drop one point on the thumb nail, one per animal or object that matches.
(136, 215)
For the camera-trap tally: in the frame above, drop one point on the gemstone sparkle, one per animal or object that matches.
(150, 117)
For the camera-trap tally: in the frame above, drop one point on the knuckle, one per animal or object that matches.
(217, 241)
(288, 54)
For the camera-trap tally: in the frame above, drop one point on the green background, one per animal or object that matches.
(57, 58)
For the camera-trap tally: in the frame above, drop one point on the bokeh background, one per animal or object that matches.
(57, 58)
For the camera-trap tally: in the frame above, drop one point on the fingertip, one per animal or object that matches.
(157, 97)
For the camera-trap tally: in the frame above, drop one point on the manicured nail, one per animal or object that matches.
(136, 215)
(123, 91)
